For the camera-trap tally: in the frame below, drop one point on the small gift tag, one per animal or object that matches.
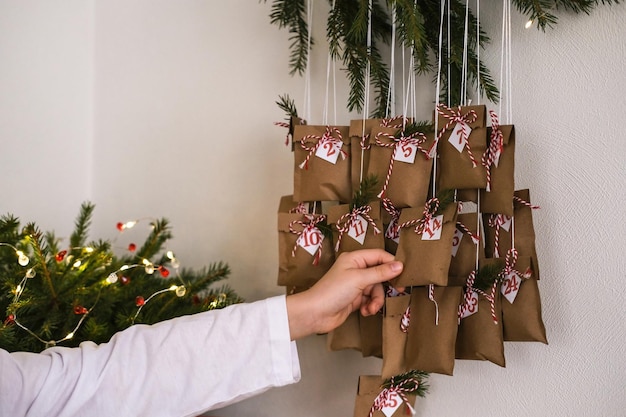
(471, 307)
(510, 286)
(432, 228)
(405, 152)
(329, 150)
(393, 231)
(459, 136)
(456, 241)
(507, 223)
(391, 404)
(358, 228)
(310, 240)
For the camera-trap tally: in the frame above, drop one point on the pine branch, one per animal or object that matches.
(413, 381)
(288, 105)
(291, 14)
(366, 192)
(487, 275)
(81, 225)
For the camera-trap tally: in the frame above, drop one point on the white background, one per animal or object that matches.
(165, 108)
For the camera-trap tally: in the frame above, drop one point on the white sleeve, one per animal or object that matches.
(180, 367)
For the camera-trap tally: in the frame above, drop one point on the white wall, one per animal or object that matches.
(162, 108)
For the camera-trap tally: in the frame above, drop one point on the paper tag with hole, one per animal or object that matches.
(310, 240)
(456, 241)
(432, 228)
(358, 229)
(393, 231)
(405, 152)
(391, 404)
(471, 307)
(510, 286)
(329, 150)
(459, 135)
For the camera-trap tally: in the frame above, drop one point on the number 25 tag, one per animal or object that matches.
(310, 240)
(432, 228)
(405, 152)
(329, 151)
(391, 404)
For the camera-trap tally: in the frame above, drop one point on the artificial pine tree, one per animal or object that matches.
(53, 294)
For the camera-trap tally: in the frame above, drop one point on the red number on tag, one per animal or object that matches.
(407, 149)
(511, 285)
(358, 229)
(455, 241)
(471, 307)
(392, 401)
(310, 239)
(436, 225)
(330, 147)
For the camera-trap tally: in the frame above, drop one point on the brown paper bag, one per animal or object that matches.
(432, 331)
(296, 266)
(425, 261)
(480, 337)
(391, 217)
(315, 178)
(346, 336)
(401, 166)
(371, 329)
(394, 338)
(500, 178)
(360, 146)
(459, 164)
(363, 223)
(521, 319)
(464, 249)
(369, 388)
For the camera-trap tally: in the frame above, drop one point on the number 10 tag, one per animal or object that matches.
(310, 240)
(358, 228)
(391, 404)
(329, 150)
(405, 152)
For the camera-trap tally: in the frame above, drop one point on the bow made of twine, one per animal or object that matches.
(308, 225)
(349, 219)
(394, 122)
(393, 231)
(331, 135)
(497, 221)
(430, 208)
(416, 139)
(301, 208)
(405, 321)
(491, 297)
(509, 266)
(496, 145)
(456, 116)
(401, 389)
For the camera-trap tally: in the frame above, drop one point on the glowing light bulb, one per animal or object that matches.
(77, 264)
(89, 249)
(149, 268)
(21, 258)
(170, 254)
(528, 24)
(130, 225)
(124, 267)
(112, 278)
(145, 262)
(175, 263)
(30, 273)
(69, 336)
(18, 289)
(181, 291)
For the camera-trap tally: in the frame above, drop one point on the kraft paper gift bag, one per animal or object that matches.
(394, 337)
(371, 329)
(346, 336)
(369, 388)
(432, 331)
(322, 163)
(465, 245)
(391, 217)
(497, 197)
(357, 228)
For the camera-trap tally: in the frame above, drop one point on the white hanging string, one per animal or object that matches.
(478, 95)
(390, 110)
(505, 65)
(330, 62)
(478, 231)
(438, 91)
(366, 95)
(463, 97)
(449, 55)
(307, 71)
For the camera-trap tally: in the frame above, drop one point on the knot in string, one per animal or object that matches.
(350, 219)
(430, 208)
(456, 116)
(331, 138)
(496, 145)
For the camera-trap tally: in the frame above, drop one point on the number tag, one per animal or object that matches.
(457, 138)
(510, 286)
(432, 228)
(329, 150)
(507, 223)
(310, 240)
(358, 228)
(467, 309)
(405, 152)
(393, 231)
(391, 405)
(456, 241)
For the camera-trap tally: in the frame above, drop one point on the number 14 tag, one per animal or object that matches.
(329, 151)
(432, 228)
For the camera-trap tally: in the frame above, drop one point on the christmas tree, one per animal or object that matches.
(53, 294)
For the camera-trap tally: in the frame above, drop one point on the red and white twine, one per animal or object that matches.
(496, 145)
(456, 116)
(431, 297)
(285, 124)
(309, 226)
(468, 232)
(518, 200)
(405, 321)
(416, 139)
(401, 389)
(467, 297)
(349, 219)
(301, 208)
(331, 135)
(497, 221)
(393, 231)
(430, 208)
(509, 266)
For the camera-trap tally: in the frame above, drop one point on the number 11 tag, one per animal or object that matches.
(459, 136)
(329, 151)
(358, 228)
(391, 404)
(432, 228)
(310, 240)
(405, 152)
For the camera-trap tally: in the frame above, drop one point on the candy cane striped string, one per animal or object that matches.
(467, 297)
(399, 388)
(430, 208)
(497, 220)
(491, 297)
(405, 321)
(332, 135)
(509, 266)
(301, 208)
(309, 225)
(394, 122)
(284, 124)
(468, 232)
(416, 139)
(525, 203)
(347, 221)
(393, 231)
(456, 116)
(431, 297)
(496, 145)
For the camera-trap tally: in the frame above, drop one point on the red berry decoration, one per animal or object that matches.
(132, 247)
(139, 301)
(61, 255)
(9, 320)
(124, 280)
(195, 300)
(120, 226)
(78, 310)
(164, 272)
